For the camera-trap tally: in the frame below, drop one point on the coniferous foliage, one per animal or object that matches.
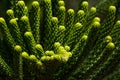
(49, 42)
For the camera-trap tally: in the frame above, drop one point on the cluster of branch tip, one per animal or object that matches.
(48, 42)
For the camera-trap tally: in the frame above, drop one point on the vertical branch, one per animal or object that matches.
(55, 5)
(5, 68)
(76, 35)
(92, 36)
(20, 9)
(24, 25)
(84, 6)
(89, 17)
(68, 25)
(107, 25)
(17, 62)
(15, 32)
(80, 17)
(39, 49)
(30, 42)
(47, 6)
(7, 35)
(115, 32)
(101, 64)
(53, 32)
(61, 15)
(9, 15)
(34, 17)
(60, 34)
(65, 71)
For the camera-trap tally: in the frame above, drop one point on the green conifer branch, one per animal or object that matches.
(7, 35)
(69, 26)
(20, 9)
(106, 4)
(84, 6)
(55, 5)
(39, 49)
(61, 15)
(114, 75)
(24, 25)
(101, 63)
(6, 70)
(17, 62)
(30, 42)
(15, 32)
(60, 34)
(47, 5)
(34, 17)
(72, 62)
(9, 15)
(46, 42)
(115, 31)
(110, 20)
(84, 70)
(53, 33)
(75, 36)
(80, 17)
(89, 17)
(92, 37)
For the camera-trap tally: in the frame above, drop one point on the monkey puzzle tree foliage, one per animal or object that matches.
(49, 42)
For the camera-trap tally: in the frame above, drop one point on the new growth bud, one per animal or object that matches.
(2, 20)
(112, 8)
(33, 58)
(28, 34)
(45, 58)
(67, 48)
(39, 63)
(81, 12)
(71, 11)
(61, 3)
(108, 39)
(62, 28)
(78, 25)
(110, 45)
(24, 19)
(85, 3)
(20, 3)
(54, 19)
(35, 4)
(25, 55)
(56, 57)
(18, 48)
(93, 9)
(96, 24)
(38, 46)
(96, 19)
(13, 21)
(118, 22)
(62, 8)
(84, 37)
(10, 12)
(57, 44)
(49, 53)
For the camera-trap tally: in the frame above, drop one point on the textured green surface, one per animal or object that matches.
(47, 41)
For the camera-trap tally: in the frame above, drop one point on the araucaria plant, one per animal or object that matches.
(49, 42)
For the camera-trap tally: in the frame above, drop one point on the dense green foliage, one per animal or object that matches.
(48, 42)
